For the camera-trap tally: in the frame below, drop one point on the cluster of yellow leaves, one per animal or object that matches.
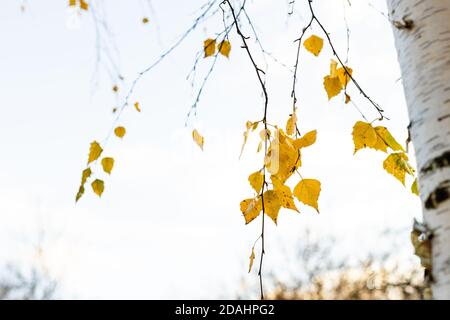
(281, 161)
(379, 138)
(209, 47)
(337, 80)
(81, 3)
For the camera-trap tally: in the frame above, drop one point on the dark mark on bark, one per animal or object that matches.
(439, 195)
(437, 163)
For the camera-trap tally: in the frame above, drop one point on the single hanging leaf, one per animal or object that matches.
(256, 180)
(209, 47)
(364, 135)
(397, 165)
(388, 139)
(136, 106)
(145, 20)
(115, 88)
(308, 191)
(98, 186)
(94, 151)
(83, 5)
(72, 3)
(225, 48)
(291, 124)
(120, 132)
(307, 140)
(251, 208)
(332, 86)
(79, 193)
(284, 193)
(252, 258)
(347, 98)
(198, 138)
(272, 204)
(415, 188)
(248, 126)
(314, 44)
(107, 164)
(85, 175)
(343, 76)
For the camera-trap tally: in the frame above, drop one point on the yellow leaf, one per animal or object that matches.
(98, 187)
(144, 20)
(308, 191)
(79, 193)
(364, 135)
(291, 124)
(255, 126)
(251, 208)
(314, 44)
(72, 3)
(256, 180)
(94, 151)
(332, 86)
(282, 157)
(83, 5)
(415, 188)
(85, 175)
(225, 48)
(384, 134)
(252, 258)
(272, 204)
(120, 132)
(343, 76)
(305, 141)
(397, 165)
(209, 47)
(107, 164)
(248, 126)
(136, 106)
(284, 194)
(347, 98)
(333, 68)
(198, 138)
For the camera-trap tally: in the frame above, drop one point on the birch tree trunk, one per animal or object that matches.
(422, 38)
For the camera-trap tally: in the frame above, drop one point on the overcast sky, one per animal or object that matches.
(168, 224)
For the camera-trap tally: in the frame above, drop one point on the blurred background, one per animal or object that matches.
(168, 225)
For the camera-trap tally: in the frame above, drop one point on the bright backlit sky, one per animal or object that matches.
(168, 224)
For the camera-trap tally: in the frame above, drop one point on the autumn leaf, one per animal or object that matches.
(251, 208)
(83, 5)
(308, 191)
(272, 204)
(347, 98)
(364, 135)
(136, 106)
(98, 187)
(248, 126)
(344, 78)
(120, 132)
(252, 258)
(198, 138)
(79, 193)
(115, 88)
(209, 47)
(145, 20)
(107, 164)
(397, 165)
(72, 3)
(284, 194)
(256, 180)
(94, 151)
(85, 175)
(225, 48)
(332, 86)
(415, 188)
(291, 124)
(387, 138)
(314, 44)
(307, 140)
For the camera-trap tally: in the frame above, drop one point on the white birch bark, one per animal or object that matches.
(423, 47)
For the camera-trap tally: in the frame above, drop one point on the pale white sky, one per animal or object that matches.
(168, 224)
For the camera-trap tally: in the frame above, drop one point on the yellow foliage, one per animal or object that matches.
(251, 208)
(314, 44)
(364, 135)
(94, 151)
(256, 180)
(107, 164)
(209, 47)
(198, 138)
(291, 124)
(225, 48)
(98, 186)
(120, 132)
(252, 258)
(308, 191)
(397, 165)
(305, 141)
